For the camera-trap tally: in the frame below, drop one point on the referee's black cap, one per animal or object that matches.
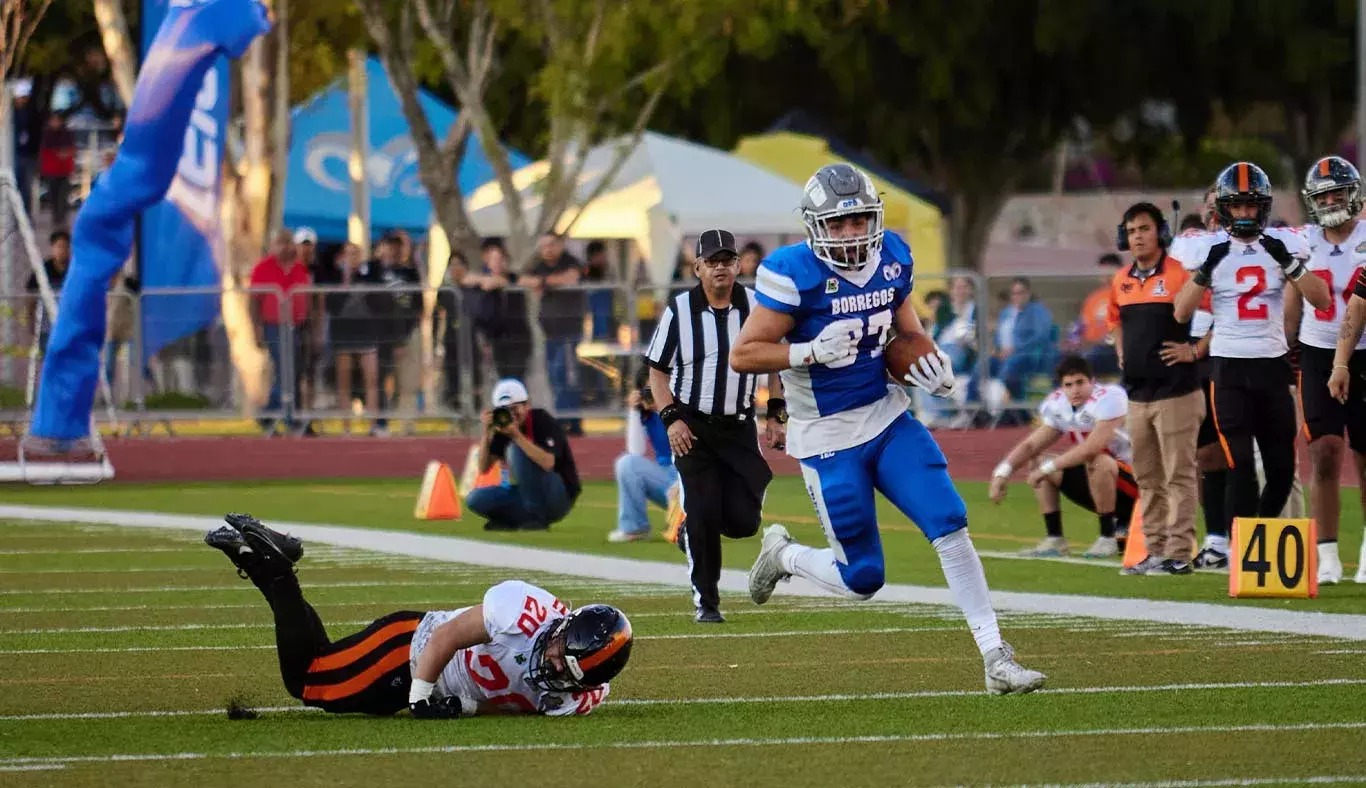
(714, 242)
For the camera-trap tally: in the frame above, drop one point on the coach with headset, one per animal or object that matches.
(1166, 406)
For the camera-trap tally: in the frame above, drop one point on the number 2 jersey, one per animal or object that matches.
(849, 402)
(1246, 291)
(1338, 265)
(1106, 402)
(494, 674)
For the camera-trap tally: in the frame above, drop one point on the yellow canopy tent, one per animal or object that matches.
(796, 156)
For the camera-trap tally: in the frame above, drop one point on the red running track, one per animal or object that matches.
(972, 454)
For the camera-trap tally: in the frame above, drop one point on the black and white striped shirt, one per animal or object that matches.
(692, 344)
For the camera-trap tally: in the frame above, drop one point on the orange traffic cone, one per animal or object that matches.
(1136, 547)
(438, 499)
(490, 478)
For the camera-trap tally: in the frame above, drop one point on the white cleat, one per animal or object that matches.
(1103, 547)
(1005, 676)
(1050, 547)
(768, 567)
(1330, 571)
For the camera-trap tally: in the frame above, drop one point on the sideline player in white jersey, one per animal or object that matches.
(521, 651)
(1337, 243)
(1094, 473)
(825, 309)
(1246, 267)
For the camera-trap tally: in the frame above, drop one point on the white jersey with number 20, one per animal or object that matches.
(1247, 291)
(494, 674)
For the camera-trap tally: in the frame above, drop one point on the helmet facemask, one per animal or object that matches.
(1244, 228)
(1339, 212)
(847, 253)
(542, 672)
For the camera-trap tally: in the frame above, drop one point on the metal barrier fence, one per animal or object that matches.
(390, 358)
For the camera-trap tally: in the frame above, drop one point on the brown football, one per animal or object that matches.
(903, 351)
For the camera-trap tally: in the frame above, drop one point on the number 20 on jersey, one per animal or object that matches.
(1274, 558)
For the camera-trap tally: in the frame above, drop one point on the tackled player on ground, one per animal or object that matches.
(521, 651)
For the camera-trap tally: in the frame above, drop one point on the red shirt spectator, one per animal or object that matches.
(288, 276)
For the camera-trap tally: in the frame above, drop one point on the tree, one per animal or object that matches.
(595, 71)
(18, 21)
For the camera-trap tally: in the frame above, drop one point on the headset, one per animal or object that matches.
(1164, 230)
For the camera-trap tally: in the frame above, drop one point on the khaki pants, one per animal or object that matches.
(1163, 435)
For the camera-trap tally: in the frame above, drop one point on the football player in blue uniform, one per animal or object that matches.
(826, 307)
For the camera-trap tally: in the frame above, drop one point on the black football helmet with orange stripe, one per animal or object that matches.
(1242, 183)
(585, 649)
(1328, 175)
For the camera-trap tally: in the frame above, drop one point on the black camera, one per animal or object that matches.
(502, 416)
(647, 398)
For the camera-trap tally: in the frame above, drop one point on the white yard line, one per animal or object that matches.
(125, 650)
(679, 636)
(471, 551)
(661, 744)
(759, 699)
(188, 548)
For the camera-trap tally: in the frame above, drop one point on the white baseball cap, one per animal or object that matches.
(22, 88)
(509, 391)
(305, 235)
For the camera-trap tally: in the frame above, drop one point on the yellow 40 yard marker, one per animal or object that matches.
(1274, 557)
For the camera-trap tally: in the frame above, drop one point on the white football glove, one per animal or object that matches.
(933, 373)
(837, 341)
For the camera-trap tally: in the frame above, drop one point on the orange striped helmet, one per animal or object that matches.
(1243, 183)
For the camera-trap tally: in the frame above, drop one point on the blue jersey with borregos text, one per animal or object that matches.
(849, 402)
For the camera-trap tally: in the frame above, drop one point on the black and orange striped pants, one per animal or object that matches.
(364, 673)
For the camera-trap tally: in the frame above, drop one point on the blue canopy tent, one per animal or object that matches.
(318, 190)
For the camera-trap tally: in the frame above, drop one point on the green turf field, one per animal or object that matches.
(998, 531)
(119, 649)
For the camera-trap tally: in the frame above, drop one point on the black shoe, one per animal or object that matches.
(235, 548)
(1209, 558)
(266, 541)
(499, 525)
(710, 615)
(1173, 567)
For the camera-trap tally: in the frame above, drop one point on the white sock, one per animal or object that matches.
(1216, 542)
(1328, 551)
(818, 566)
(968, 584)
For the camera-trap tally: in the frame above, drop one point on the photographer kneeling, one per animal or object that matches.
(641, 480)
(543, 483)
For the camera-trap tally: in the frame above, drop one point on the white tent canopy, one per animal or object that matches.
(666, 189)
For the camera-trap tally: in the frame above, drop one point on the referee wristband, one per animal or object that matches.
(670, 413)
(1003, 471)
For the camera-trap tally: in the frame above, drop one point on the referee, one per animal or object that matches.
(709, 410)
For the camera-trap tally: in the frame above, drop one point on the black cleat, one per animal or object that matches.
(709, 615)
(265, 540)
(1209, 558)
(234, 547)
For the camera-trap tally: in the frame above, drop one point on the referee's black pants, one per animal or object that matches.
(724, 476)
(1251, 401)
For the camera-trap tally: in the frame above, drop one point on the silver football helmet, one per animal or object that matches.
(1330, 174)
(837, 191)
